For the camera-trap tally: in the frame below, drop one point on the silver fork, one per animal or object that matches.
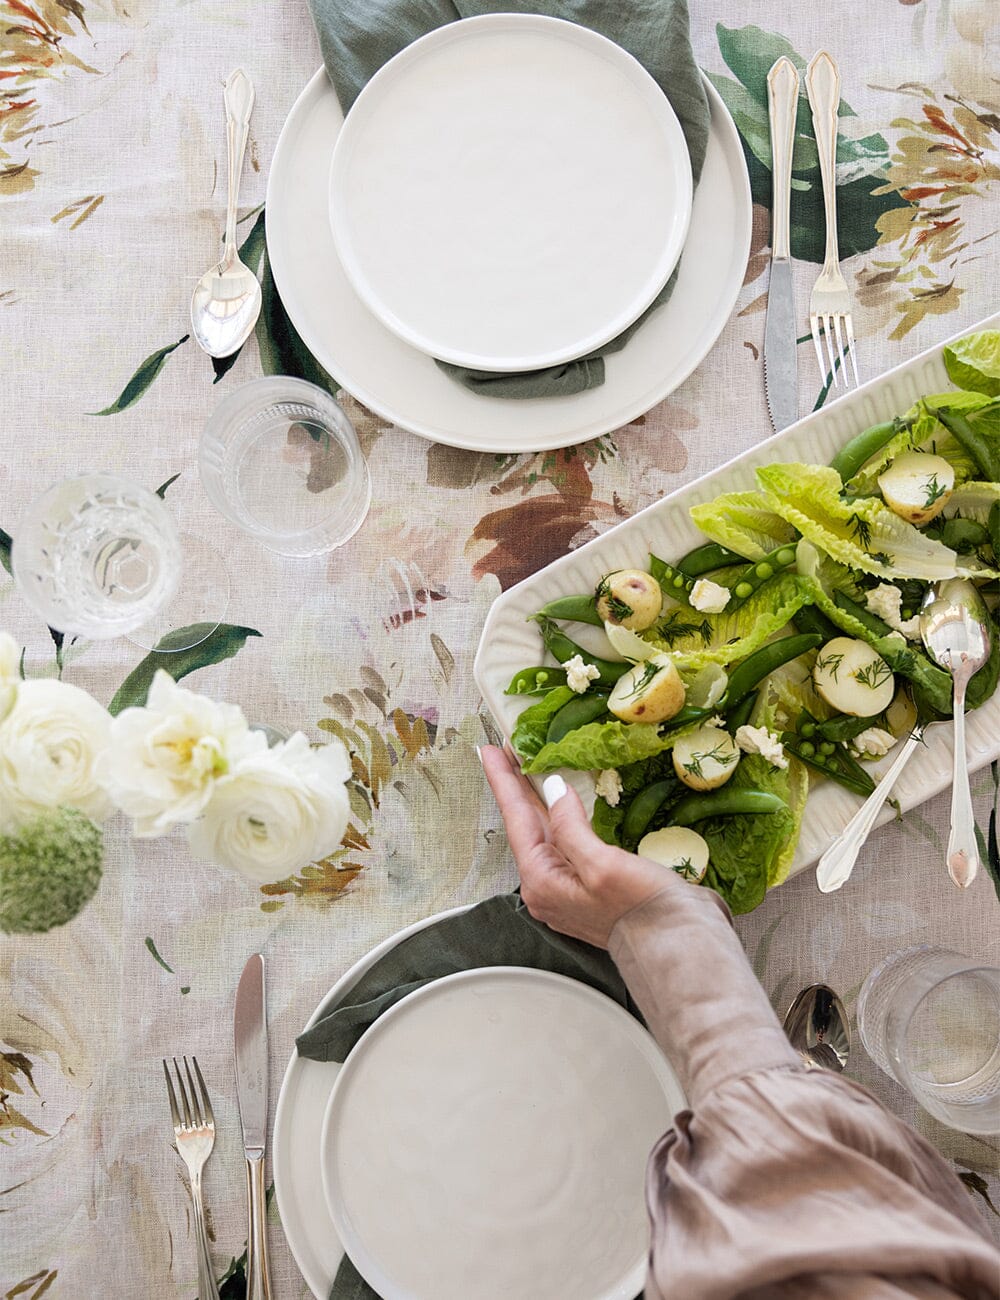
(194, 1131)
(830, 303)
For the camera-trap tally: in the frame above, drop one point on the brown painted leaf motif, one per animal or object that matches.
(12, 1066)
(34, 1287)
(321, 883)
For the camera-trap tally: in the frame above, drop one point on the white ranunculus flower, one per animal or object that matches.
(166, 757)
(278, 810)
(10, 673)
(51, 742)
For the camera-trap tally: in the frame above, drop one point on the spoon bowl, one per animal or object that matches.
(955, 629)
(817, 1027)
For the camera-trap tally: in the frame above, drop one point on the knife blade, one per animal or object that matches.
(250, 1044)
(781, 378)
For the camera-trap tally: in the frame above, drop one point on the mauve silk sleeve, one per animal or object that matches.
(779, 1181)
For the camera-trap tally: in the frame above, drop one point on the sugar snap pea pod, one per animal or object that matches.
(863, 447)
(707, 558)
(578, 609)
(811, 619)
(746, 676)
(993, 527)
(536, 681)
(724, 803)
(863, 615)
(742, 713)
(562, 648)
(755, 575)
(643, 808)
(982, 450)
(964, 535)
(672, 581)
(838, 766)
(576, 713)
(844, 727)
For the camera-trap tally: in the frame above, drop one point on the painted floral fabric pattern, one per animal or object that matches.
(111, 193)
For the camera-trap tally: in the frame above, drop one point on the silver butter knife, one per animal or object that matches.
(781, 377)
(250, 1040)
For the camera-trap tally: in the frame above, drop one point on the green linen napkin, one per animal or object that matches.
(498, 932)
(358, 36)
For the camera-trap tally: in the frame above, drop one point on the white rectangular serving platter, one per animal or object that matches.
(509, 642)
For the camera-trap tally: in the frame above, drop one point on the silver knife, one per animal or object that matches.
(781, 378)
(250, 1040)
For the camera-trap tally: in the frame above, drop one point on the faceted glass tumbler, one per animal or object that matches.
(281, 460)
(930, 1018)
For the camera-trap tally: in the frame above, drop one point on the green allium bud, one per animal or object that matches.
(48, 870)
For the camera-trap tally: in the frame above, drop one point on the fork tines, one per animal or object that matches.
(195, 1110)
(829, 327)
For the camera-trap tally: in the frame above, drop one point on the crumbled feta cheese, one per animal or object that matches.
(609, 787)
(885, 602)
(579, 675)
(758, 740)
(896, 636)
(708, 597)
(873, 743)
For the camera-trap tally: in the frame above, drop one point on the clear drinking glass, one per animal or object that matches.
(930, 1018)
(97, 556)
(281, 460)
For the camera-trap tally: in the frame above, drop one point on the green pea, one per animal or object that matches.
(743, 590)
(807, 749)
(827, 748)
(807, 729)
(764, 571)
(536, 681)
(784, 557)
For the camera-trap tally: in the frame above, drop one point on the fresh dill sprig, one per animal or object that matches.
(686, 868)
(873, 675)
(649, 671)
(721, 753)
(676, 625)
(861, 531)
(830, 664)
(935, 491)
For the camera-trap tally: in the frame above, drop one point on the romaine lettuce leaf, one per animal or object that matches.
(532, 725)
(743, 522)
(973, 501)
(974, 362)
(601, 745)
(862, 534)
(745, 851)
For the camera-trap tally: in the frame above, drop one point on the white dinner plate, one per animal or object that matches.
(488, 1136)
(406, 388)
(509, 642)
(476, 192)
(298, 1126)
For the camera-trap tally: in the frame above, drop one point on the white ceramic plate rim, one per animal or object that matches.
(383, 82)
(509, 642)
(369, 1267)
(359, 353)
(283, 1159)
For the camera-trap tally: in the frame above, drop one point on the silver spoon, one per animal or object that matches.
(226, 301)
(817, 1027)
(954, 625)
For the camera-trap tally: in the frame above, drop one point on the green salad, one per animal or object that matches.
(783, 651)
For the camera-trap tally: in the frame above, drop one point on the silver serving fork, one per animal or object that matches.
(830, 303)
(194, 1131)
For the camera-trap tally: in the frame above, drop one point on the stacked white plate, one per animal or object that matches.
(508, 193)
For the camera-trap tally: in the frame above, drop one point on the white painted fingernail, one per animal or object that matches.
(479, 754)
(553, 789)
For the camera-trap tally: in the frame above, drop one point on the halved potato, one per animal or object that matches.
(652, 691)
(853, 678)
(705, 758)
(629, 597)
(917, 485)
(679, 848)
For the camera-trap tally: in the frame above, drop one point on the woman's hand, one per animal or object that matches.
(570, 879)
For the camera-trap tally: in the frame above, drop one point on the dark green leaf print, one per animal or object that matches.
(161, 491)
(141, 380)
(6, 542)
(221, 644)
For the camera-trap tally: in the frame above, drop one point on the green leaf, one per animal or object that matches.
(221, 644)
(156, 956)
(973, 363)
(141, 380)
(161, 491)
(601, 745)
(533, 723)
(6, 542)
(742, 522)
(747, 850)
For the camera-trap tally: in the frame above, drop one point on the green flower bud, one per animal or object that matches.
(48, 871)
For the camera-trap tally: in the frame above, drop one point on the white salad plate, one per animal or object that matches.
(305, 1097)
(509, 642)
(488, 1136)
(406, 387)
(490, 207)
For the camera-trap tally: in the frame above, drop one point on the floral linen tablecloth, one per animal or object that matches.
(111, 190)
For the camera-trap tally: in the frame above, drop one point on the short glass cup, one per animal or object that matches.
(930, 1018)
(281, 460)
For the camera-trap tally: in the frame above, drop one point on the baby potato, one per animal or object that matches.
(706, 758)
(679, 848)
(901, 715)
(853, 678)
(917, 485)
(652, 691)
(630, 598)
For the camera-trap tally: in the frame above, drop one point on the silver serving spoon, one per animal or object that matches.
(226, 301)
(954, 625)
(817, 1027)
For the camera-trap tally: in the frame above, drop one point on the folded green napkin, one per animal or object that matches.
(358, 36)
(499, 932)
